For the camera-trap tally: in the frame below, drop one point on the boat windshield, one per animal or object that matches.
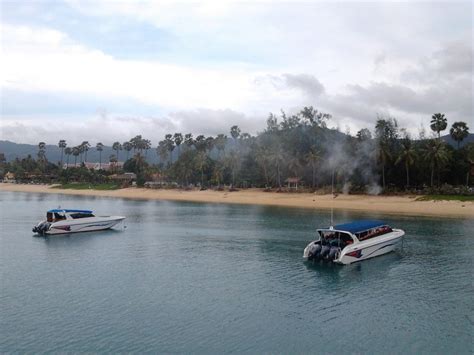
(81, 215)
(374, 232)
(335, 238)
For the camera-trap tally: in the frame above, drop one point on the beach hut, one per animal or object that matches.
(292, 182)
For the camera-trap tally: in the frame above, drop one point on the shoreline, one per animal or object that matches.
(401, 205)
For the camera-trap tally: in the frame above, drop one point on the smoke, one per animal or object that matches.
(346, 188)
(353, 163)
(374, 189)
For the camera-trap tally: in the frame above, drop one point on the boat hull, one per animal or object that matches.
(371, 248)
(362, 250)
(83, 225)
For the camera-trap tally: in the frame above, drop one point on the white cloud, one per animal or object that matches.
(351, 60)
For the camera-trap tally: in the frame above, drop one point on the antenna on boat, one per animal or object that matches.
(332, 202)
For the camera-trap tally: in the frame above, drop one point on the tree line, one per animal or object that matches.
(298, 146)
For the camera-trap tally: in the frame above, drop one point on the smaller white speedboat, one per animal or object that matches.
(351, 242)
(62, 221)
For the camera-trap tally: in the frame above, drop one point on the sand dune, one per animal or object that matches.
(383, 204)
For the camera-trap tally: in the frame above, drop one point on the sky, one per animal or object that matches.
(109, 70)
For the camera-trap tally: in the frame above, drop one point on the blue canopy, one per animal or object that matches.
(64, 210)
(359, 226)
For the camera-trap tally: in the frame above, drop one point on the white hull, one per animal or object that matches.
(83, 225)
(371, 248)
(366, 249)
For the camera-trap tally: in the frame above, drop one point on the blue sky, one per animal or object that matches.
(153, 67)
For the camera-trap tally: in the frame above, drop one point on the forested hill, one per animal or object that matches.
(18, 150)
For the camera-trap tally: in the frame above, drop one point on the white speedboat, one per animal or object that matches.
(61, 221)
(352, 242)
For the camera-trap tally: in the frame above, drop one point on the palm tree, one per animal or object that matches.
(312, 159)
(262, 158)
(235, 132)
(170, 146)
(278, 157)
(459, 131)
(201, 160)
(85, 148)
(178, 139)
(438, 123)
(436, 154)
(68, 152)
(384, 156)
(162, 151)
(146, 145)
(62, 144)
(76, 151)
(407, 155)
(233, 162)
(220, 143)
(127, 146)
(188, 140)
(42, 152)
(116, 146)
(100, 147)
(218, 173)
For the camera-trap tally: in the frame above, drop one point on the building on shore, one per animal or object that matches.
(108, 166)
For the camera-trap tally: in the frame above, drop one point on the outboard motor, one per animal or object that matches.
(314, 251)
(41, 228)
(325, 251)
(333, 253)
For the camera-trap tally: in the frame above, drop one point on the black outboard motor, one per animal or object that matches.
(41, 228)
(333, 253)
(325, 250)
(315, 251)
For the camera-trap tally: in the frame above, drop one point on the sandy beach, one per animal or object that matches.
(384, 204)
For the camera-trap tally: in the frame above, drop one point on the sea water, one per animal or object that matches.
(214, 278)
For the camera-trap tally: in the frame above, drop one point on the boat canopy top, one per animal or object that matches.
(69, 211)
(359, 226)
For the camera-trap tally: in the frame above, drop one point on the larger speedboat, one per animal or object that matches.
(351, 242)
(61, 221)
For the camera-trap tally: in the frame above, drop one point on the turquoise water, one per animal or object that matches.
(208, 278)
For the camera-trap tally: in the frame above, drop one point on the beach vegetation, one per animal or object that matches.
(297, 147)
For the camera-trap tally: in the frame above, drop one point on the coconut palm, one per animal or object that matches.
(188, 140)
(170, 146)
(162, 151)
(262, 158)
(100, 147)
(233, 162)
(127, 146)
(235, 132)
(68, 152)
(459, 131)
(42, 153)
(438, 123)
(62, 144)
(220, 143)
(76, 151)
(407, 155)
(201, 161)
(436, 154)
(383, 156)
(85, 148)
(116, 146)
(277, 158)
(312, 159)
(178, 139)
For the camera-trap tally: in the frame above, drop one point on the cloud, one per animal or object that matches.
(226, 64)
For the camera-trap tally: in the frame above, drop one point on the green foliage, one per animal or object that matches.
(88, 186)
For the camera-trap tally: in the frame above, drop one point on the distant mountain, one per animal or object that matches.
(53, 153)
(448, 139)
